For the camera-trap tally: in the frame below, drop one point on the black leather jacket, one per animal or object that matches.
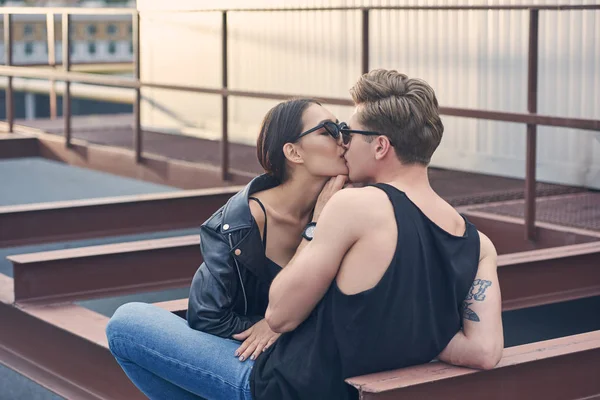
(230, 290)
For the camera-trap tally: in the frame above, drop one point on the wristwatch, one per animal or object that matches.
(309, 231)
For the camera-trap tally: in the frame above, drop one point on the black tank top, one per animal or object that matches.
(408, 318)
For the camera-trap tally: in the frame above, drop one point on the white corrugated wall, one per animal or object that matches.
(474, 59)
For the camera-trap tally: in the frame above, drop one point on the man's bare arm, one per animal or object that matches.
(304, 281)
(480, 343)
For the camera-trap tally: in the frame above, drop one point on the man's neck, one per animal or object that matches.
(405, 177)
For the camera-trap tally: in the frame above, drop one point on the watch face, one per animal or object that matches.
(310, 231)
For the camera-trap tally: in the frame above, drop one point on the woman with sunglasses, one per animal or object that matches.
(244, 245)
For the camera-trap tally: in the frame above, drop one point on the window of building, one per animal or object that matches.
(92, 48)
(28, 48)
(131, 48)
(111, 29)
(91, 29)
(27, 30)
(130, 29)
(112, 47)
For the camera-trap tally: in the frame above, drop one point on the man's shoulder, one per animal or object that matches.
(364, 205)
(360, 199)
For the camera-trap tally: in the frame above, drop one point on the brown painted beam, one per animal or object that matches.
(152, 168)
(527, 279)
(549, 276)
(14, 146)
(506, 233)
(73, 220)
(564, 368)
(67, 356)
(100, 271)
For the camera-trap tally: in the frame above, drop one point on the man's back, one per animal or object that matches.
(395, 302)
(370, 256)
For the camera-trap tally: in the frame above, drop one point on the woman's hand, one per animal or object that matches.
(332, 186)
(256, 339)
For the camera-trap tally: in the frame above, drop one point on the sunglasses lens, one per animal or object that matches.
(332, 129)
(346, 138)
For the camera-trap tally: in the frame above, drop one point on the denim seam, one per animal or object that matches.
(156, 353)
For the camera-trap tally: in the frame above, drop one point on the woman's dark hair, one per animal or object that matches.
(281, 125)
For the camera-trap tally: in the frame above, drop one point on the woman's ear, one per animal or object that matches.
(382, 147)
(291, 153)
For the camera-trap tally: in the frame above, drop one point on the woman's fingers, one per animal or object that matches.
(250, 349)
(269, 343)
(258, 350)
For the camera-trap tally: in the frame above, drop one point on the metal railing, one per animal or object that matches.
(531, 118)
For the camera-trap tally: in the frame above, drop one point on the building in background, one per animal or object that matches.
(473, 58)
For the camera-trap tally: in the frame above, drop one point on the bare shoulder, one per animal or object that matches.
(361, 205)
(488, 250)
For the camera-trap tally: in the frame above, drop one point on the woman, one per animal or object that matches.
(244, 245)
(250, 238)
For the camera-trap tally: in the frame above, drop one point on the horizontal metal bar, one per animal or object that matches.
(535, 119)
(66, 355)
(527, 279)
(64, 275)
(16, 147)
(529, 369)
(68, 10)
(130, 11)
(557, 7)
(61, 75)
(73, 220)
(549, 276)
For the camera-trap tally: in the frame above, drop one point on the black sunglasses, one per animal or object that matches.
(347, 133)
(330, 127)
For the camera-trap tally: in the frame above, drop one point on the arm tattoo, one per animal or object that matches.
(468, 313)
(476, 293)
(478, 289)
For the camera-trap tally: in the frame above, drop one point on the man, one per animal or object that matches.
(393, 275)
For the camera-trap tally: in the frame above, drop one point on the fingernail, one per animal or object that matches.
(241, 358)
(237, 353)
(253, 358)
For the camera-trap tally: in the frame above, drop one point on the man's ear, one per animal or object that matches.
(382, 147)
(290, 151)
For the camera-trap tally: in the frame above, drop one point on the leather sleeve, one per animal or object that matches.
(215, 287)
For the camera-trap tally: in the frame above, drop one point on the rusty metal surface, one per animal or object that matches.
(51, 222)
(564, 368)
(99, 271)
(580, 210)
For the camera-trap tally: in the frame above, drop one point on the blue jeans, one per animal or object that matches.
(166, 359)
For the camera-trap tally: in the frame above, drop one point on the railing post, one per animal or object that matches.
(532, 75)
(10, 107)
(66, 62)
(365, 40)
(51, 33)
(225, 109)
(137, 124)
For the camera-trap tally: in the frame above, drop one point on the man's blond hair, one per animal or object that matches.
(403, 109)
